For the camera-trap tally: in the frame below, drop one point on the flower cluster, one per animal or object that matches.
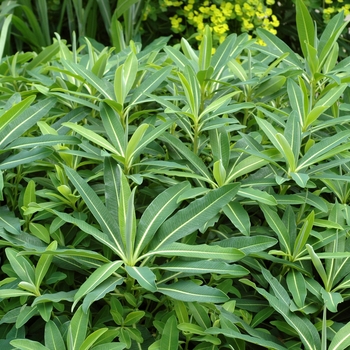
(190, 16)
(332, 7)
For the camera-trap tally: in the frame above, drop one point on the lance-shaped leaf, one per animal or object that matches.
(24, 120)
(170, 336)
(44, 140)
(257, 195)
(9, 221)
(77, 329)
(190, 292)
(305, 27)
(322, 149)
(113, 126)
(100, 291)
(101, 85)
(144, 276)
(297, 100)
(297, 286)
(205, 266)
(21, 266)
(43, 265)
(150, 84)
(193, 217)
(156, 213)
(94, 137)
(26, 344)
(95, 279)
(53, 337)
(238, 216)
(97, 208)
(341, 340)
(200, 251)
(277, 225)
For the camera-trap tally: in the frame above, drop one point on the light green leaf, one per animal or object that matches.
(92, 136)
(133, 318)
(341, 340)
(305, 27)
(26, 344)
(238, 216)
(194, 215)
(144, 276)
(53, 337)
(43, 265)
(156, 213)
(297, 286)
(77, 329)
(205, 49)
(257, 195)
(205, 266)
(331, 300)
(200, 251)
(300, 179)
(20, 265)
(170, 335)
(100, 291)
(92, 338)
(107, 222)
(95, 279)
(190, 292)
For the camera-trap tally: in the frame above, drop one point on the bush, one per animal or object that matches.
(166, 198)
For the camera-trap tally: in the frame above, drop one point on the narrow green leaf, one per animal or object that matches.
(95, 279)
(44, 56)
(317, 263)
(43, 265)
(297, 101)
(133, 318)
(107, 222)
(20, 265)
(277, 225)
(26, 344)
(77, 329)
(341, 340)
(100, 291)
(331, 300)
(24, 120)
(257, 195)
(53, 337)
(297, 286)
(92, 338)
(205, 49)
(190, 292)
(303, 235)
(200, 251)
(205, 266)
(156, 213)
(149, 85)
(123, 6)
(305, 27)
(170, 335)
(144, 276)
(194, 215)
(113, 126)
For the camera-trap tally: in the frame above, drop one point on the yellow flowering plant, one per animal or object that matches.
(189, 17)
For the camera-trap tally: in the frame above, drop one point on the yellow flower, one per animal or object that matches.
(270, 2)
(328, 1)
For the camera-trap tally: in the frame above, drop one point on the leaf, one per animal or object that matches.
(53, 337)
(95, 279)
(156, 213)
(270, 86)
(194, 215)
(43, 265)
(238, 216)
(297, 101)
(133, 318)
(331, 300)
(297, 286)
(20, 265)
(92, 339)
(305, 27)
(200, 251)
(100, 291)
(190, 292)
(205, 266)
(257, 195)
(277, 225)
(92, 136)
(341, 339)
(113, 126)
(97, 208)
(150, 84)
(77, 329)
(23, 121)
(123, 6)
(26, 344)
(318, 264)
(170, 335)
(144, 276)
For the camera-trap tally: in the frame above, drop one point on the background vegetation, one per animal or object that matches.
(169, 196)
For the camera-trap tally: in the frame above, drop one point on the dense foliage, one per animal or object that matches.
(164, 197)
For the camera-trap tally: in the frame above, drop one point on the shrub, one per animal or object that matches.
(167, 197)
